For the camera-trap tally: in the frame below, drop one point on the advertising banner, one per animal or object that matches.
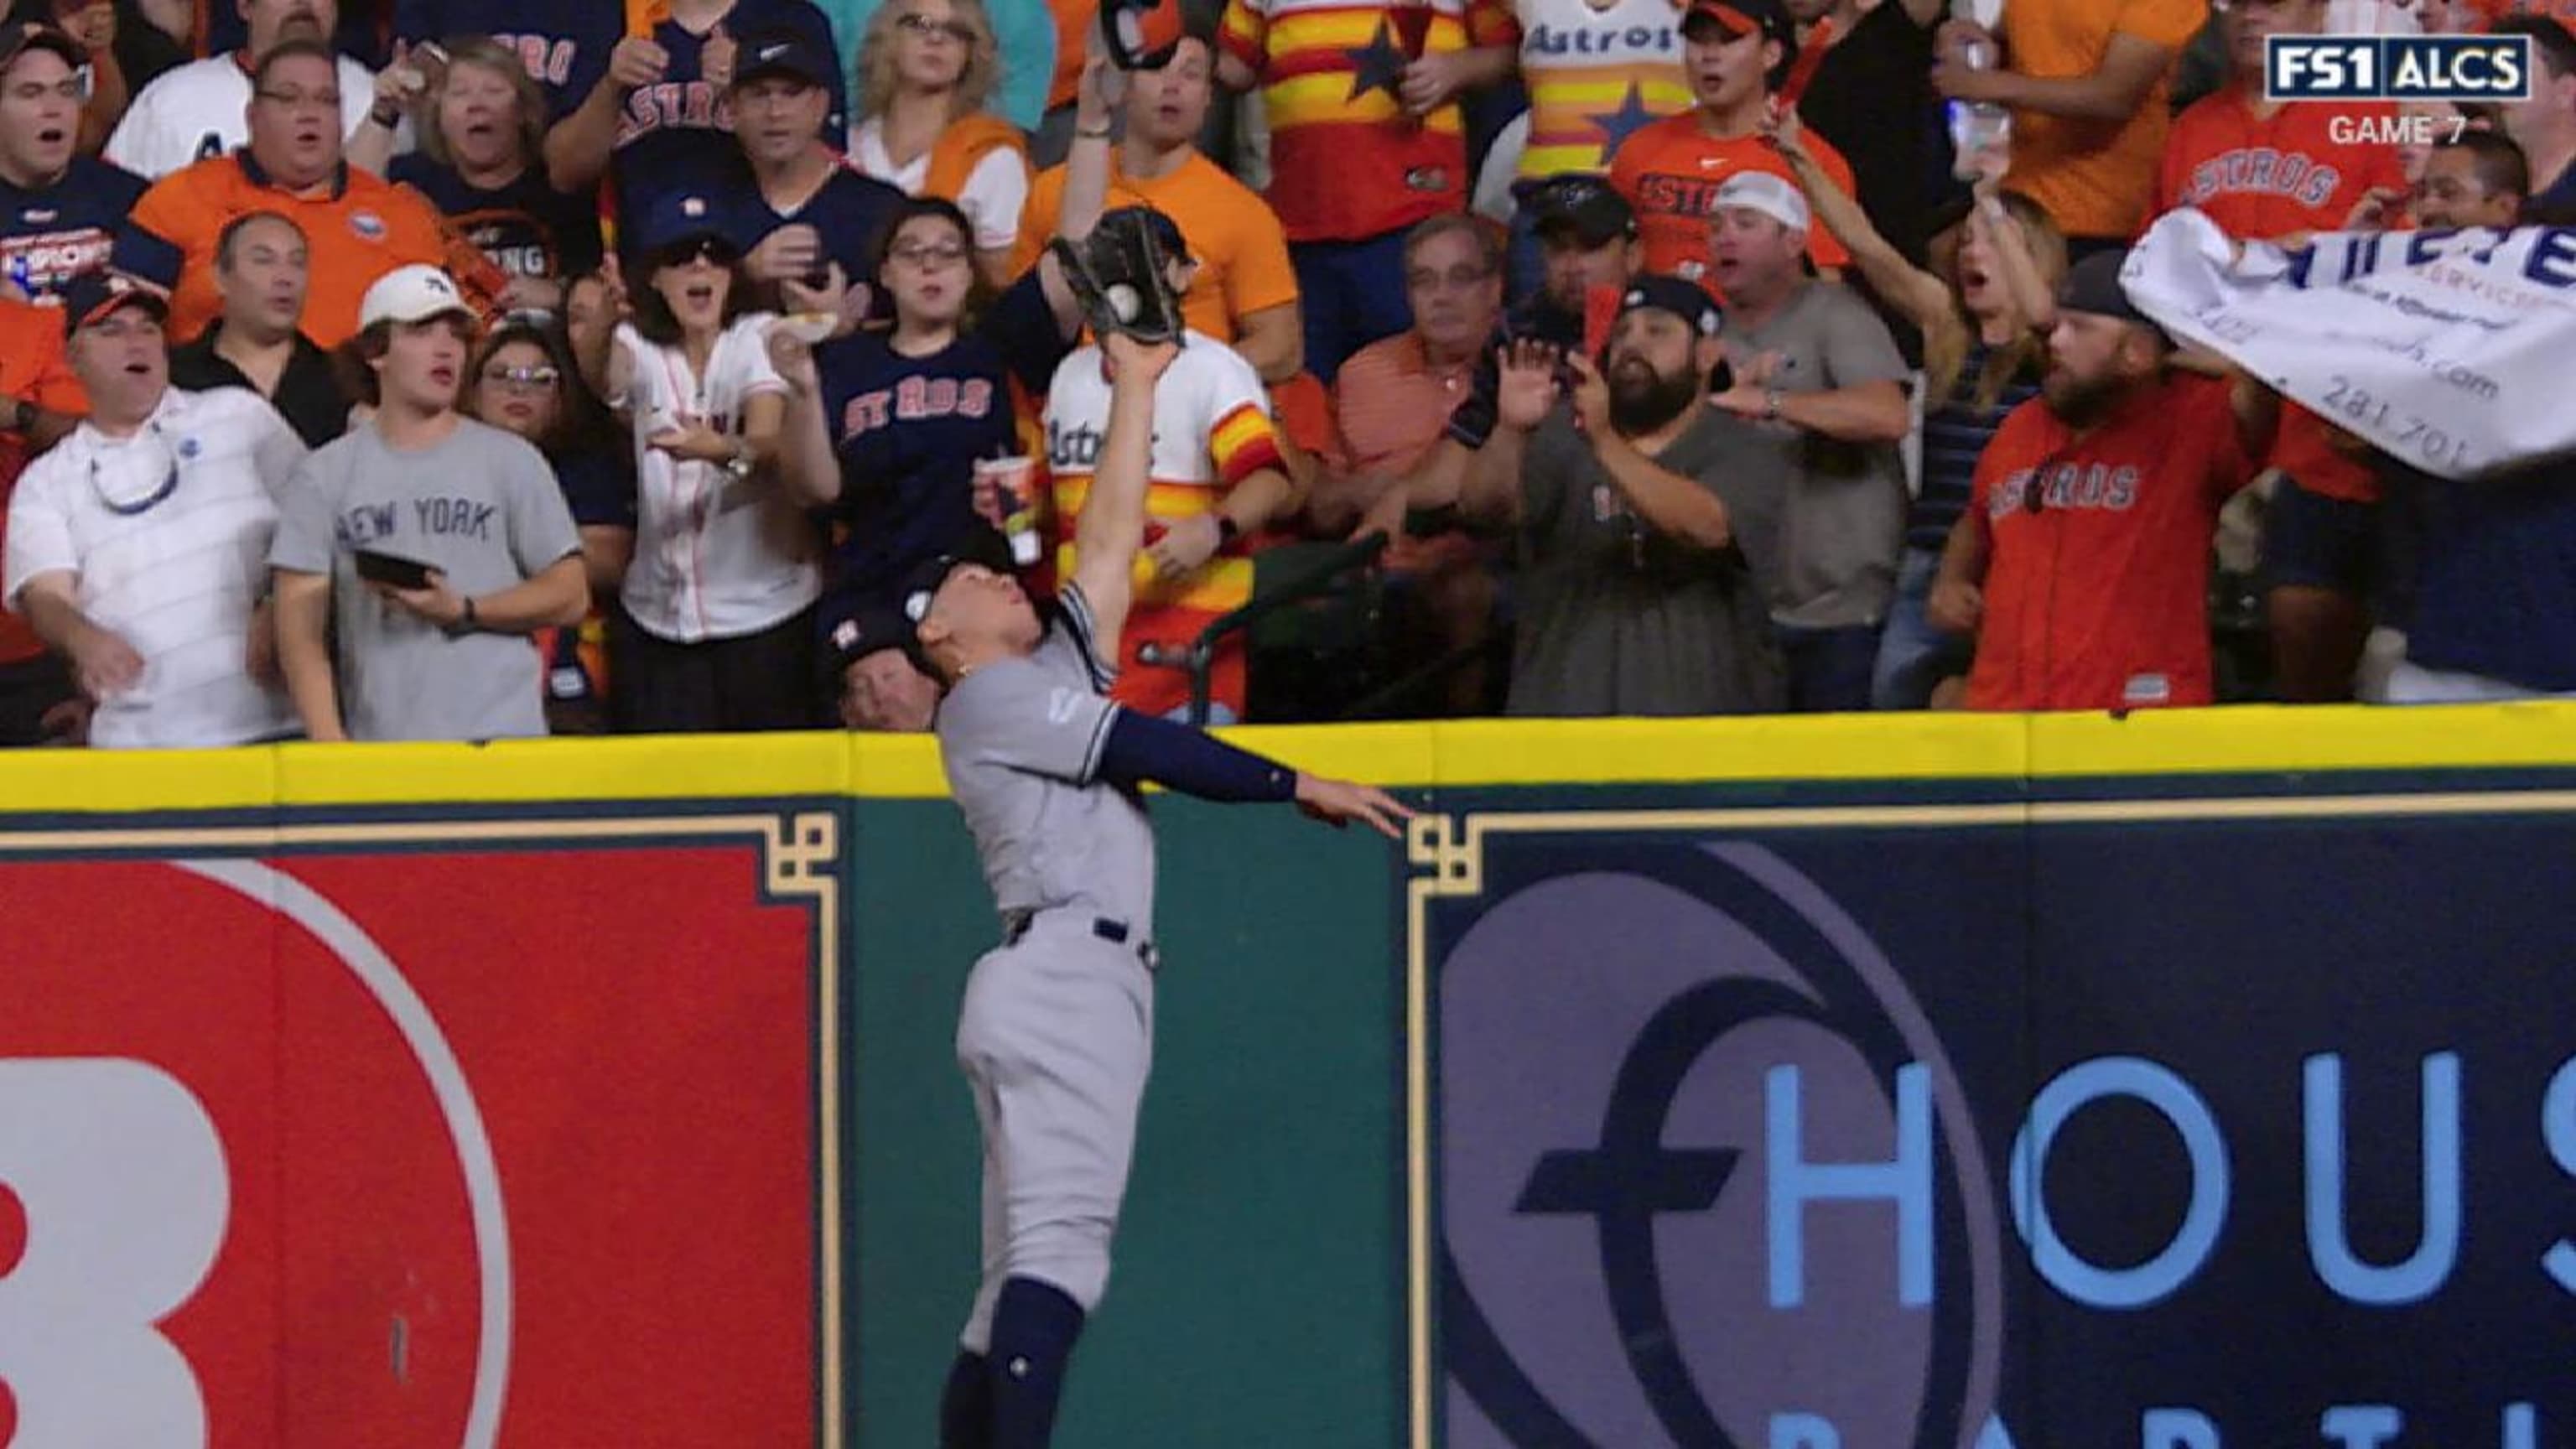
(2175, 1125)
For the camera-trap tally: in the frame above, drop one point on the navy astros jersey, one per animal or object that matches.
(908, 431)
(563, 43)
(527, 228)
(847, 213)
(680, 129)
(50, 236)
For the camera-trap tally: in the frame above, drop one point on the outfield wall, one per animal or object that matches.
(1664, 1088)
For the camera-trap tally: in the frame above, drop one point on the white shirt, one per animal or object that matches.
(991, 198)
(1207, 386)
(2372, 17)
(197, 110)
(175, 576)
(714, 558)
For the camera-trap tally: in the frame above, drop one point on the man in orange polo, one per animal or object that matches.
(1734, 53)
(357, 226)
(40, 400)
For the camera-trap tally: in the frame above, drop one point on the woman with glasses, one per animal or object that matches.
(926, 70)
(482, 128)
(523, 381)
(715, 633)
(884, 429)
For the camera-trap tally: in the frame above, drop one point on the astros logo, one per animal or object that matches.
(1691, 1191)
(367, 225)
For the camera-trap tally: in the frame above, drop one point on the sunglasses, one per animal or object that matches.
(923, 25)
(706, 248)
(521, 378)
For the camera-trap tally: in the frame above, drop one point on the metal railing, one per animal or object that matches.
(1198, 657)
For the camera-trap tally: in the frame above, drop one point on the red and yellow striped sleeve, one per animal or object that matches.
(1245, 34)
(1491, 23)
(1242, 443)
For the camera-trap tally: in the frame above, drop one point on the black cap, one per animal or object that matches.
(94, 295)
(2093, 285)
(1745, 17)
(1665, 293)
(782, 52)
(18, 38)
(1586, 205)
(856, 628)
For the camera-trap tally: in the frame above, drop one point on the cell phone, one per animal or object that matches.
(386, 568)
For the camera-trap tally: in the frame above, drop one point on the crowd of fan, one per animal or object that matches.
(472, 370)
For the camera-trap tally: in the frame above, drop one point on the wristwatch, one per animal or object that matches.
(738, 467)
(1771, 405)
(467, 622)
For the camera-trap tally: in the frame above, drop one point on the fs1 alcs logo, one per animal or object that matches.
(2458, 68)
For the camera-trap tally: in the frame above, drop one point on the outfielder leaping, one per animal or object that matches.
(1056, 1032)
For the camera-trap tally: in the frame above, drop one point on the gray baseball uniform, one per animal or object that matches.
(1056, 1034)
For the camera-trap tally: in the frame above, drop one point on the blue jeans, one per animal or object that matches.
(1828, 668)
(1349, 295)
(1912, 655)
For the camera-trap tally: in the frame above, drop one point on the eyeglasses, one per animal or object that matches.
(942, 254)
(1456, 279)
(131, 507)
(521, 379)
(303, 100)
(923, 25)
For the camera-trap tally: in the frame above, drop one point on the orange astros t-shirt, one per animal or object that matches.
(2098, 599)
(1670, 172)
(1233, 235)
(2093, 178)
(32, 367)
(357, 227)
(2260, 177)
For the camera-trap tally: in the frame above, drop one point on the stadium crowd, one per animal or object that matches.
(445, 369)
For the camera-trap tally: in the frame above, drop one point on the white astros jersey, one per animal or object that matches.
(714, 558)
(198, 110)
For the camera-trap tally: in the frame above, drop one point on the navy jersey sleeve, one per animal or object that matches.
(1022, 327)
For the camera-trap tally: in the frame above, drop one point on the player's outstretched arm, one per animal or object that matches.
(1112, 528)
(1141, 749)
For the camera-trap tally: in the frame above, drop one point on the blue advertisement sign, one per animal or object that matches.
(2221, 1123)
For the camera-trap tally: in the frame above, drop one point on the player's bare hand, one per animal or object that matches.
(436, 603)
(104, 663)
(1339, 802)
(1137, 364)
(1528, 384)
(637, 63)
(1956, 606)
(1185, 545)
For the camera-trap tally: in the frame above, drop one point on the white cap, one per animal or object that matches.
(1774, 196)
(414, 293)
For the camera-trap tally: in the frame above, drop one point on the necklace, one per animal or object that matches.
(131, 507)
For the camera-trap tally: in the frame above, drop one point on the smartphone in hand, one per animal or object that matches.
(386, 568)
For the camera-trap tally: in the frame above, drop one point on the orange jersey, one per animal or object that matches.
(1595, 75)
(1670, 172)
(357, 227)
(31, 368)
(1241, 250)
(1347, 161)
(2097, 598)
(2259, 177)
(1073, 22)
(2094, 178)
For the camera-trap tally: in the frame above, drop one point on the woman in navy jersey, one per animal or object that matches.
(522, 379)
(1984, 310)
(481, 162)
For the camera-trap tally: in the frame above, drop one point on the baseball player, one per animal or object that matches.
(1055, 1034)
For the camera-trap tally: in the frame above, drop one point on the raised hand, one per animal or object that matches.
(1339, 802)
(1528, 386)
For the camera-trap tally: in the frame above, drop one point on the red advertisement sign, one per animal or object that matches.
(514, 1146)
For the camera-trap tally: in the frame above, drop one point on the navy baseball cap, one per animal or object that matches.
(856, 628)
(92, 296)
(678, 218)
(921, 582)
(778, 51)
(1584, 205)
(1662, 292)
(2093, 285)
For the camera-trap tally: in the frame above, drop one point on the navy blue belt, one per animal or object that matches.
(1016, 924)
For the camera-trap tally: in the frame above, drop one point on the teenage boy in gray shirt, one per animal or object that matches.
(435, 544)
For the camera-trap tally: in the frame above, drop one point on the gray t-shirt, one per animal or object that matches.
(483, 507)
(1832, 562)
(1021, 742)
(1615, 617)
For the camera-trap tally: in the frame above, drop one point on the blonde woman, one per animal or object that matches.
(1984, 309)
(926, 70)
